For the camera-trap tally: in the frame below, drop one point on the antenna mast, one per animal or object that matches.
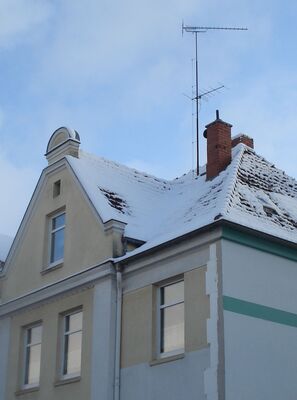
(195, 30)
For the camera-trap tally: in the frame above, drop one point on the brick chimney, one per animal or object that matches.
(242, 138)
(218, 135)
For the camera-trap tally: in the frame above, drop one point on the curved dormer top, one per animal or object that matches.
(64, 141)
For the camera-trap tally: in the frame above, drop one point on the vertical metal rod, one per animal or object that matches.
(197, 104)
(196, 30)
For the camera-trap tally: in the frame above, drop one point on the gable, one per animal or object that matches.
(5, 243)
(86, 242)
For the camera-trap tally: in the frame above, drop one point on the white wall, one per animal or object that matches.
(176, 380)
(4, 354)
(260, 359)
(103, 340)
(259, 277)
(260, 355)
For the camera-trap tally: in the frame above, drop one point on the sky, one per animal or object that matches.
(121, 74)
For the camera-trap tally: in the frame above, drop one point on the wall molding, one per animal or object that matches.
(259, 311)
(80, 281)
(259, 243)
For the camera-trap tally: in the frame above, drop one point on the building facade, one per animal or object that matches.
(120, 285)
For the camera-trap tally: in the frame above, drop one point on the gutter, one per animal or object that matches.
(217, 224)
(118, 333)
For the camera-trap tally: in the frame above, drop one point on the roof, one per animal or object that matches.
(5, 243)
(251, 191)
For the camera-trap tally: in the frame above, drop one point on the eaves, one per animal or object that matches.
(224, 230)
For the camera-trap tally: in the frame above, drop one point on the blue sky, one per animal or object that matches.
(116, 72)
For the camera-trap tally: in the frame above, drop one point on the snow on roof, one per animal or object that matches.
(264, 198)
(5, 243)
(251, 192)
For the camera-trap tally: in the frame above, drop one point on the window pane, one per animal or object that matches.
(172, 293)
(57, 245)
(35, 334)
(33, 364)
(75, 322)
(172, 328)
(73, 356)
(58, 221)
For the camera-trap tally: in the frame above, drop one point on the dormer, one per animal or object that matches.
(64, 141)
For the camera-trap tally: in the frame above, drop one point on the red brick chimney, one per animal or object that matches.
(218, 134)
(242, 138)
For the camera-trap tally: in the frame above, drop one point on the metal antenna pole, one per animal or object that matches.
(197, 104)
(196, 30)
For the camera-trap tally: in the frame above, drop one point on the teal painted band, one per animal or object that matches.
(259, 311)
(259, 243)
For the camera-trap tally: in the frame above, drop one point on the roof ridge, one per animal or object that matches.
(231, 180)
(133, 170)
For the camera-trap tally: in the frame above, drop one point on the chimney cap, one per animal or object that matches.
(218, 120)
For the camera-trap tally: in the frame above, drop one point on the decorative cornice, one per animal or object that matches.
(114, 226)
(83, 280)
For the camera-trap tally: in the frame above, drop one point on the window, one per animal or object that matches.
(57, 188)
(72, 343)
(57, 231)
(171, 315)
(32, 355)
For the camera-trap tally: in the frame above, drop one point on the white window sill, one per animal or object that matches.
(167, 359)
(52, 267)
(27, 389)
(67, 380)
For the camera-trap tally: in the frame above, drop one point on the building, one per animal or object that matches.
(5, 243)
(119, 285)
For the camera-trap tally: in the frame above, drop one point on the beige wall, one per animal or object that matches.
(196, 309)
(137, 317)
(49, 314)
(138, 322)
(86, 243)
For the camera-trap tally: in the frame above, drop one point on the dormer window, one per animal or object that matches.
(57, 233)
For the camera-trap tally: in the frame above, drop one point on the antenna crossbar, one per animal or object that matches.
(208, 92)
(206, 28)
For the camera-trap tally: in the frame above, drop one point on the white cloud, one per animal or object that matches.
(100, 42)
(19, 17)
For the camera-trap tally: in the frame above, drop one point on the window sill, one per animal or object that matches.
(67, 381)
(52, 268)
(167, 359)
(27, 390)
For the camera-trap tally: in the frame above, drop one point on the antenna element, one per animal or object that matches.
(195, 30)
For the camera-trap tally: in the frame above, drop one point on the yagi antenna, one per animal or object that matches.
(195, 30)
(199, 97)
(205, 93)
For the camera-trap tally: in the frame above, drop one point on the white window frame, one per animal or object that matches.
(65, 333)
(160, 306)
(27, 345)
(51, 232)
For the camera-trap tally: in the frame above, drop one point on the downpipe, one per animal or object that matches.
(117, 361)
